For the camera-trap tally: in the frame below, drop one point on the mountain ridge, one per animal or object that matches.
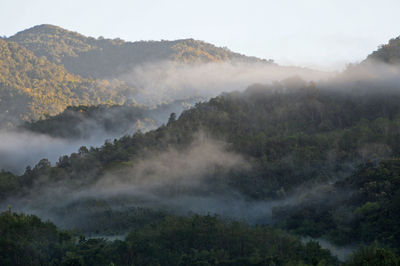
(107, 58)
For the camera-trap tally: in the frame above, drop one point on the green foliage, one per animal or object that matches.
(283, 133)
(373, 256)
(292, 137)
(207, 240)
(204, 240)
(371, 212)
(293, 134)
(9, 184)
(26, 240)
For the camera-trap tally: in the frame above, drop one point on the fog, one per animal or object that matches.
(167, 81)
(368, 76)
(158, 83)
(180, 181)
(19, 149)
(341, 252)
(193, 180)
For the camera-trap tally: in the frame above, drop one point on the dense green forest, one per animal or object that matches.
(293, 135)
(327, 129)
(363, 207)
(197, 240)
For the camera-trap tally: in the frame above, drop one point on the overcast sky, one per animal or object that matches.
(322, 33)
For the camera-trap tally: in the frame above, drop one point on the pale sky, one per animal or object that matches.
(317, 33)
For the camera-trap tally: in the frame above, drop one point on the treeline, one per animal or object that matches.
(196, 240)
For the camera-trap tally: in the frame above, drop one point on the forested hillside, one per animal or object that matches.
(108, 121)
(292, 157)
(31, 86)
(107, 58)
(45, 69)
(327, 129)
(277, 138)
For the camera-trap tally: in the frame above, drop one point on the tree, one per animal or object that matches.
(172, 118)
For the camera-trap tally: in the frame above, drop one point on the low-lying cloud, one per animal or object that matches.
(166, 81)
(19, 148)
(192, 180)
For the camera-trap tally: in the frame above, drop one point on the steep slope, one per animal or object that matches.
(387, 53)
(106, 58)
(31, 86)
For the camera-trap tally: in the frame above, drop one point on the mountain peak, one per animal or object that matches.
(39, 30)
(53, 42)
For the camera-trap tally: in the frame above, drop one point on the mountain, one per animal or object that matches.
(315, 159)
(318, 159)
(106, 71)
(31, 86)
(106, 58)
(45, 69)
